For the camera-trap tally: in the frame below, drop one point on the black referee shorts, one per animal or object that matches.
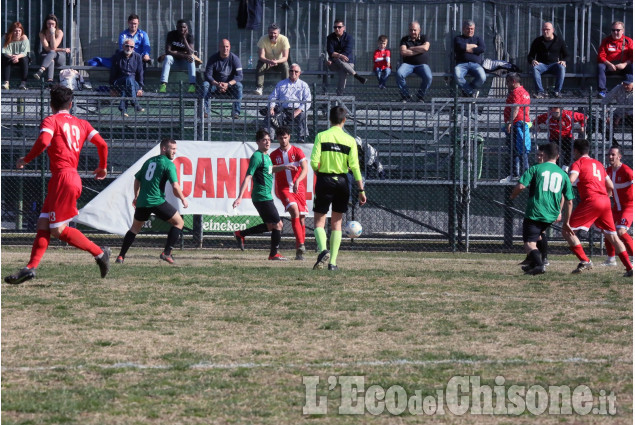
(165, 211)
(331, 189)
(532, 229)
(267, 211)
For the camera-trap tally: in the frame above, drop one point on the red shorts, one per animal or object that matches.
(623, 218)
(597, 211)
(290, 198)
(60, 205)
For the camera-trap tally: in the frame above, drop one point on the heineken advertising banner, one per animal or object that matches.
(209, 174)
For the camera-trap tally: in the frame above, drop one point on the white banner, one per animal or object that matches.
(209, 173)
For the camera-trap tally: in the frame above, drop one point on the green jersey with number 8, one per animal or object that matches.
(547, 183)
(152, 177)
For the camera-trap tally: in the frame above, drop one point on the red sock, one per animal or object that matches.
(76, 238)
(628, 243)
(297, 231)
(610, 249)
(579, 252)
(40, 245)
(624, 259)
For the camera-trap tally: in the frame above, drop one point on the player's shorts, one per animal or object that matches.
(290, 198)
(623, 219)
(532, 229)
(165, 212)
(331, 189)
(267, 211)
(60, 204)
(596, 212)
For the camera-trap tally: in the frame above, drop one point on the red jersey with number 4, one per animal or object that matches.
(64, 134)
(622, 178)
(591, 177)
(285, 178)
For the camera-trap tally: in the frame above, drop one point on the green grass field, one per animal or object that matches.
(227, 337)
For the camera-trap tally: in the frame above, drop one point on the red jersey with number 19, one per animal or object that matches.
(64, 135)
(591, 178)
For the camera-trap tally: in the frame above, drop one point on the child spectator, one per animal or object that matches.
(381, 61)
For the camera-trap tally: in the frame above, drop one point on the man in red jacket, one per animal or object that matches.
(560, 122)
(615, 56)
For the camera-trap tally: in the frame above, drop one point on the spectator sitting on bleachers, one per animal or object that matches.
(414, 54)
(51, 37)
(224, 74)
(126, 76)
(15, 51)
(341, 58)
(273, 55)
(622, 95)
(468, 55)
(289, 103)
(140, 37)
(179, 52)
(381, 61)
(548, 53)
(615, 56)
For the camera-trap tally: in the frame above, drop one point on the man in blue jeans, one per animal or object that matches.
(179, 52)
(517, 125)
(414, 54)
(126, 76)
(548, 53)
(223, 76)
(468, 55)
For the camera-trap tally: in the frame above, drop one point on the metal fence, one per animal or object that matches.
(432, 168)
(508, 27)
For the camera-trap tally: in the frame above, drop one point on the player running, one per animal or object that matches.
(622, 177)
(261, 171)
(547, 184)
(64, 136)
(594, 207)
(290, 186)
(149, 198)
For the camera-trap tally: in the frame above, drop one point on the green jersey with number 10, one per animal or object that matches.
(547, 184)
(152, 176)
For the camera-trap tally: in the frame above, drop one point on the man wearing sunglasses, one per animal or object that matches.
(126, 76)
(615, 56)
(339, 46)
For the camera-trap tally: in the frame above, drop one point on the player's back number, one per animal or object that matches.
(551, 182)
(150, 171)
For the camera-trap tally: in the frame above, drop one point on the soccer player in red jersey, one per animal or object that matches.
(594, 207)
(290, 186)
(64, 136)
(622, 177)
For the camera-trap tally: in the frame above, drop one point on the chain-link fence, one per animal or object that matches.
(433, 168)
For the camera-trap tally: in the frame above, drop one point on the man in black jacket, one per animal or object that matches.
(548, 53)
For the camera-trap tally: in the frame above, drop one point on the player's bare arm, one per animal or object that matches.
(278, 168)
(176, 189)
(137, 187)
(517, 189)
(305, 170)
(566, 214)
(609, 186)
(243, 188)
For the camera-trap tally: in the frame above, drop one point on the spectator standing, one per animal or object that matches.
(273, 55)
(548, 53)
(179, 52)
(622, 177)
(615, 56)
(594, 207)
(468, 55)
(381, 61)
(51, 36)
(414, 54)
(622, 95)
(561, 122)
(126, 76)
(290, 100)
(517, 123)
(341, 58)
(223, 76)
(140, 37)
(15, 52)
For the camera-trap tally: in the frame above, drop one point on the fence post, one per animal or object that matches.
(452, 219)
(42, 158)
(508, 218)
(181, 110)
(315, 108)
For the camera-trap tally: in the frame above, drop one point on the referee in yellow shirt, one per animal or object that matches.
(334, 152)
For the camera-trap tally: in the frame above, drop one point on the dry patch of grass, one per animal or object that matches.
(190, 328)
